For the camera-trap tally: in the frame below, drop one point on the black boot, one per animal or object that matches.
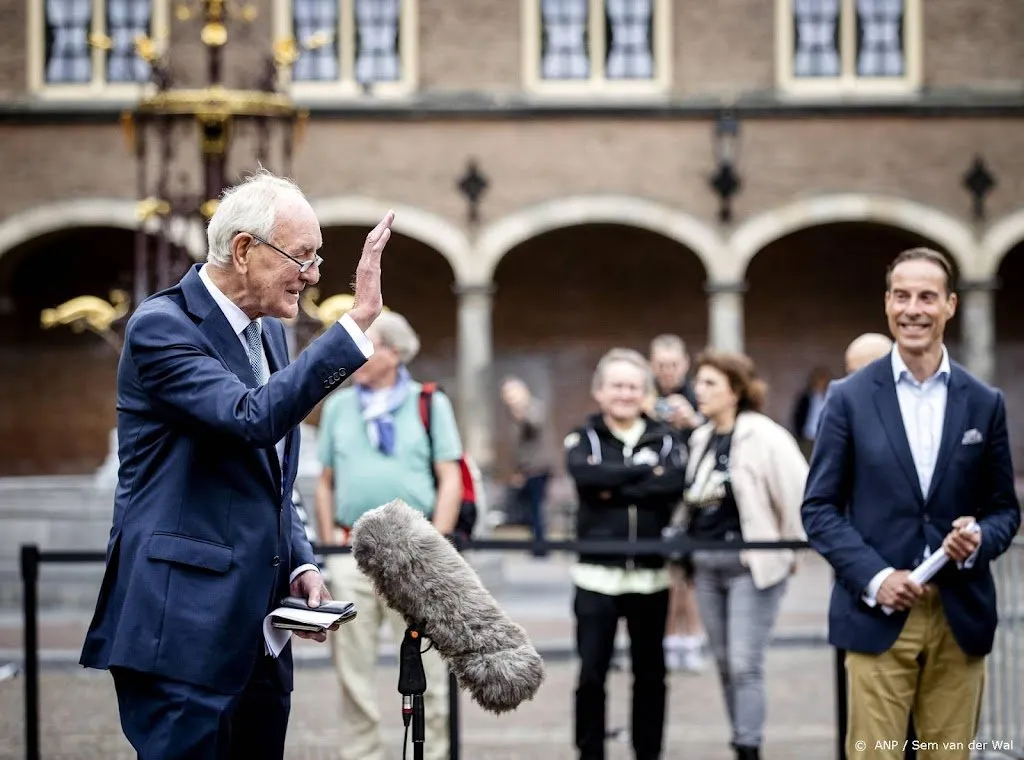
(747, 753)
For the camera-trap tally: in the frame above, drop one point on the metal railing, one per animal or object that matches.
(1001, 728)
(1002, 713)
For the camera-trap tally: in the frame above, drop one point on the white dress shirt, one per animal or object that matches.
(923, 409)
(239, 321)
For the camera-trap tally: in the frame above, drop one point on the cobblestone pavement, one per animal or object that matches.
(79, 715)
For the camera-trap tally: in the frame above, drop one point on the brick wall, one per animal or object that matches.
(530, 162)
(539, 160)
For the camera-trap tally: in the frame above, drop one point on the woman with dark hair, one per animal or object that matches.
(745, 482)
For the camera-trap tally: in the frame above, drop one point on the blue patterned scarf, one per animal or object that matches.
(378, 409)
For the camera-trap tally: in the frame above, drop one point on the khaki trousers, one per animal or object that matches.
(925, 669)
(354, 650)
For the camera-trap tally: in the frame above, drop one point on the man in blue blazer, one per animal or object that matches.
(205, 538)
(912, 457)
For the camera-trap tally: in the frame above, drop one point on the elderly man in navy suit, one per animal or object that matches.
(205, 538)
(912, 458)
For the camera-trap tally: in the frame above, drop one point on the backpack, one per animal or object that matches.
(472, 482)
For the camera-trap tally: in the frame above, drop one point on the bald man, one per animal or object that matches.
(865, 349)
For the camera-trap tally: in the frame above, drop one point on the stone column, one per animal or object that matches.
(475, 381)
(978, 326)
(725, 315)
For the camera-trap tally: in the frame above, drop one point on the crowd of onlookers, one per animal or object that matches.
(674, 446)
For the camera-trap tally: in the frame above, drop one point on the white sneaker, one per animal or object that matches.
(692, 660)
(692, 655)
(673, 660)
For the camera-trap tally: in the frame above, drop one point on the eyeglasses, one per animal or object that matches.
(303, 265)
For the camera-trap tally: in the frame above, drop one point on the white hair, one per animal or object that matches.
(250, 206)
(395, 331)
(625, 356)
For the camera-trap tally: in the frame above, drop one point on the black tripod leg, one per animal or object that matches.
(418, 727)
(412, 683)
(453, 717)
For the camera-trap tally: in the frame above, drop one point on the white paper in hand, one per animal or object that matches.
(927, 569)
(276, 638)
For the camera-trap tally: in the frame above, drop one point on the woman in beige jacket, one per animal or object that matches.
(745, 481)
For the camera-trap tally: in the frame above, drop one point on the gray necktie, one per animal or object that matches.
(252, 338)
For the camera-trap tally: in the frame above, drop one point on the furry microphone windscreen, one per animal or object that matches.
(419, 574)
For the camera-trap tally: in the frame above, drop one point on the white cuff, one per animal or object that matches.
(871, 592)
(364, 343)
(300, 570)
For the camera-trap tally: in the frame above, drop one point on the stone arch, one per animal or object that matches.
(928, 222)
(500, 237)
(118, 213)
(999, 239)
(428, 228)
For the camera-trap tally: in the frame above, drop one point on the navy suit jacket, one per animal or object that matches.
(204, 533)
(864, 511)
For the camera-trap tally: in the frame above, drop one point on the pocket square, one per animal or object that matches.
(972, 436)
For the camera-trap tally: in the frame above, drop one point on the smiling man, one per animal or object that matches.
(629, 472)
(912, 457)
(205, 538)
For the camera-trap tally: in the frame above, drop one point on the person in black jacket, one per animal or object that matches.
(629, 474)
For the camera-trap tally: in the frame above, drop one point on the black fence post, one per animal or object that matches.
(841, 705)
(30, 601)
(453, 717)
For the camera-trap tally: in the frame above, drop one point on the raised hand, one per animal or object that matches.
(368, 301)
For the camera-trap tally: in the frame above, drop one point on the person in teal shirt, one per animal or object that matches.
(374, 448)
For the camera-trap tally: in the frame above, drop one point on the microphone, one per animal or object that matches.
(419, 574)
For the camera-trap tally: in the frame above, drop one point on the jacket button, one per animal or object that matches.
(927, 518)
(275, 561)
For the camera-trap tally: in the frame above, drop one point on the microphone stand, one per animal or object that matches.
(412, 683)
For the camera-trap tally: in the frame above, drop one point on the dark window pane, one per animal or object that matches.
(629, 26)
(565, 50)
(880, 50)
(126, 20)
(377, 29)
(68, 55)
(316, 19)
(816, 38)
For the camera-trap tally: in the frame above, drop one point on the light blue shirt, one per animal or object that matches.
(364, 477)
(923, 408)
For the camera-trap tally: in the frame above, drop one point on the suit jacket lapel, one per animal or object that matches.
(217, 329)
(892, 421)
(215, 326)
(952, 425)
(274, 342)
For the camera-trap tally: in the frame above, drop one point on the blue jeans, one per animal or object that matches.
(738, 618)
(532, 494)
